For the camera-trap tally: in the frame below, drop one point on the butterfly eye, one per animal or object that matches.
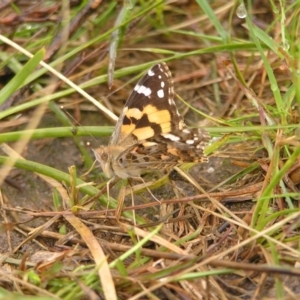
(104, 156)
(101, 155)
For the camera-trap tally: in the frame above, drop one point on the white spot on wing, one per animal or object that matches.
(171, 137)
(149, 144)
(190, 142)
(141, 89)
(151, 73)
(159, 76)
(162, 84)
(160, 93)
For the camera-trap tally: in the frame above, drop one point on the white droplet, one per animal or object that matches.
(210, 170)
(241, 11)
(285, 45)
(128, 4)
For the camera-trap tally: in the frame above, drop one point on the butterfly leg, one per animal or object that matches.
(140, 178)
(107, 190)
(132, 201)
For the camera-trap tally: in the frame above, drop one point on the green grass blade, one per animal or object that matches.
(213, 18)
(57, 132)
(21, 76)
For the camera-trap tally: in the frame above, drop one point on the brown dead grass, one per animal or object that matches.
(206, 248)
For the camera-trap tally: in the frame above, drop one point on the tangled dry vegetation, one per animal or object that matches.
(227, 230)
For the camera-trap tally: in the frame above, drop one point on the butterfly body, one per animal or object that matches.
(150, 133)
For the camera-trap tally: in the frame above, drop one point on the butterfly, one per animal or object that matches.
(150, 133)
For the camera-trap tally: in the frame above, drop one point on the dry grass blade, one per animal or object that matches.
(104, 272)
(36, 232)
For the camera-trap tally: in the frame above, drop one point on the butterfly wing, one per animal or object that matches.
(150, 133)
(150, 109)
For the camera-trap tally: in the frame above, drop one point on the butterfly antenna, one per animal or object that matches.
(149, 190)
(76, 122)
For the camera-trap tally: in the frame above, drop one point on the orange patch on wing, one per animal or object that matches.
(134, 113)
(165, 127)
(173, 151)
(127, 129)
(164, 157)
(143, 133)
(150, 109)
(181, 125)
(160, 117)
(149, 144)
